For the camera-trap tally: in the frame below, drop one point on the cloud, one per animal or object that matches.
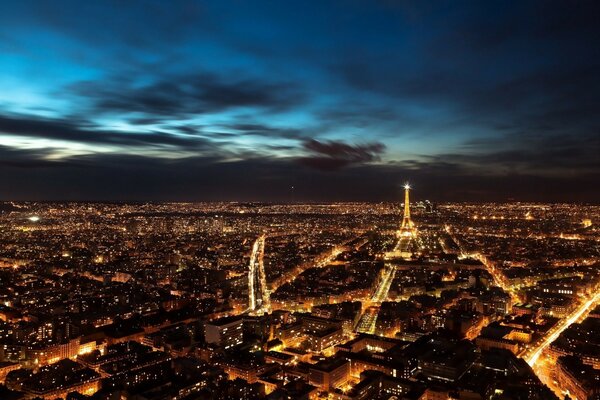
(83, 132)
(532, 65)
(171, 97)
(531, 151)
(11, 157)
(333, 155)
(263, 130)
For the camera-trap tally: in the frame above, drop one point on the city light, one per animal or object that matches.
(312, 286)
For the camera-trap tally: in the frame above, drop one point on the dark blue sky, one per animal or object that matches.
(342, 100)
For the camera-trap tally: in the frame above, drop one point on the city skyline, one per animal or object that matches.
(315, 102)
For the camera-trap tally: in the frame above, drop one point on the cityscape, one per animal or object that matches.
(299, 200)
(411, 300)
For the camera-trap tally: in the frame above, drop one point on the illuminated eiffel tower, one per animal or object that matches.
(406, 233)
(407, 229)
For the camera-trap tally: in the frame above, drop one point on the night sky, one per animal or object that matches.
(299, 100)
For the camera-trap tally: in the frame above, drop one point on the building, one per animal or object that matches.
(248, 371)
(329, 374)
(225, 332)
(6, 367)
(322, 339)
(500, 336)
(289, 332)
(487, 343)
(59, 379)
(581, 380)
(375, 384)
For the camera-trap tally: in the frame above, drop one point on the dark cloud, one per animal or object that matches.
(84, 132)
(255, 129)
(185, 95)
(332, 155)
(551, 96)
(531, 64)
(11, 157)
(546, 153)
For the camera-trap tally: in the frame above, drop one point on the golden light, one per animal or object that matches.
(86, 348)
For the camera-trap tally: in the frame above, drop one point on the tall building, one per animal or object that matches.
(407, 230)
(406, 233)
(408, 227)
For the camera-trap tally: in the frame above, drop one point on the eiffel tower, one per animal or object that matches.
(408, 227)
